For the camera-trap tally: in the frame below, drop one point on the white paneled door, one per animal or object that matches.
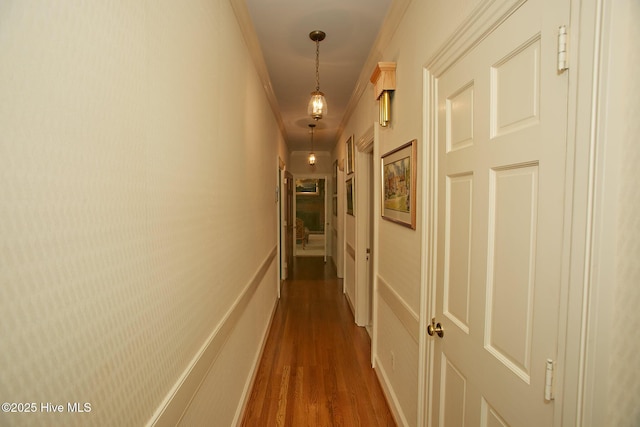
(500, 128)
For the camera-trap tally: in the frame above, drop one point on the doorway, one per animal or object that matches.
(495, 218)
(311, 216)
(365, 256)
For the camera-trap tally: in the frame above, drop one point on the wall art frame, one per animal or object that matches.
(399, 180)
(351, 155)
(335, 177)
(307, 187)
(350, 193)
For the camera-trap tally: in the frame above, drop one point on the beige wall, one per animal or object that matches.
(612, 395)
(132, 186)
(611, 388)
(624, 360)
(424, 27)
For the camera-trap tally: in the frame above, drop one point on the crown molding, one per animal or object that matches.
(387, 30)
(253, 45)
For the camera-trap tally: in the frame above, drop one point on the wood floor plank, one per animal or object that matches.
(315, 370)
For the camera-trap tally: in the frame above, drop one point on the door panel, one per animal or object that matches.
(510, 266)
(490, 417)
(500, 135)
(289, 220)
(515, 83)
(457, 283)
(454, 391)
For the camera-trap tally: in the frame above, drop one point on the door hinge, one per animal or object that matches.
(563, 59)
(548, 380)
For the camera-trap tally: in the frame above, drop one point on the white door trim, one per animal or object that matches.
(593, 215)
(362, 205)
(281, 227)
(295, 207)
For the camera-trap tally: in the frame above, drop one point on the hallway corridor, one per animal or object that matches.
(316, 370)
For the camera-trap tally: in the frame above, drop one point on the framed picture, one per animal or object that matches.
(350, 156)
(350, 195)
(399, 185)
(335, 177)
(307, 186)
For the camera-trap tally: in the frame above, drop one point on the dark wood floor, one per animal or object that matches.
(316, 369)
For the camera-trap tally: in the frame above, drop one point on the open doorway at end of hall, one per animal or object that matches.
(311, 217)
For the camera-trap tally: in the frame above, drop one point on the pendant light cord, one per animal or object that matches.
(317, 66)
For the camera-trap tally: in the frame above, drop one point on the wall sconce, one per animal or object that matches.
(384, 81)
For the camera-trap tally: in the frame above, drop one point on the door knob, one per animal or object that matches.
(435, 328)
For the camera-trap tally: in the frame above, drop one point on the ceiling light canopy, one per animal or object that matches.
(317, 104)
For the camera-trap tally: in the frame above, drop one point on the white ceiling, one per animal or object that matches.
(277, 32)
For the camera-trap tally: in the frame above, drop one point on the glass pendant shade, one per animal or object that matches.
(317, 105)
(312, 159)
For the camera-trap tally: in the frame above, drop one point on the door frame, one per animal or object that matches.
(327, 219)
(280, 207)
(591, 262)
(573, 390)
(286, 213)
(364, 216)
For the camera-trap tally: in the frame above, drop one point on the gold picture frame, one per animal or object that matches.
(351, 155)
(350, 193)
(399, 180)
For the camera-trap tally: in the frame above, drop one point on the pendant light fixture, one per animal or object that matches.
(317, 104)
(312, 155)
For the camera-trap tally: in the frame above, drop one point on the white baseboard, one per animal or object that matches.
(392, 399)
(177, 401)
(246, 392)
(353, 312)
